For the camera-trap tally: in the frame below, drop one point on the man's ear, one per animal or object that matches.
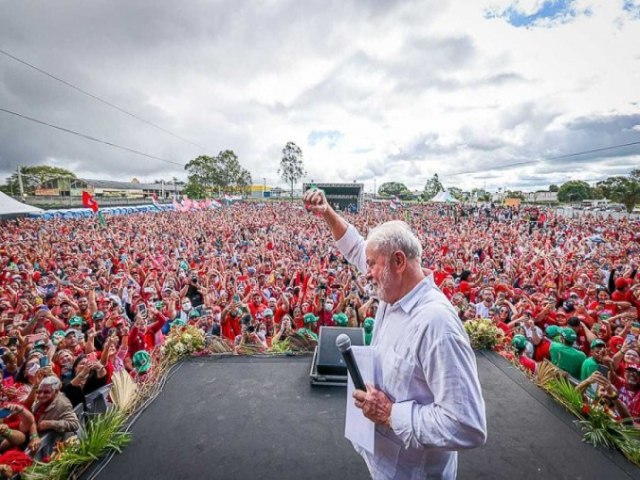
(399, 261)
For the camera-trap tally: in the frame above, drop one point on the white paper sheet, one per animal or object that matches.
(358, 428)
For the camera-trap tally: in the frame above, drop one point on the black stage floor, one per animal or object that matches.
(258, 418)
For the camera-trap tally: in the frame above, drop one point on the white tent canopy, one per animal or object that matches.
(444, 197)
(9, 206)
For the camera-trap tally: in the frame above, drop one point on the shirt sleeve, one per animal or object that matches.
(456, 419)
(352, 246)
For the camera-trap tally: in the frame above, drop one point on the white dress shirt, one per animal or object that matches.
(427, 368)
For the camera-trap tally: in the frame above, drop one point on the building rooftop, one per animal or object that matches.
(127, 185)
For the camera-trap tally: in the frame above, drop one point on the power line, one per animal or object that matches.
(102, 100)
(89, 137)
(528, 162)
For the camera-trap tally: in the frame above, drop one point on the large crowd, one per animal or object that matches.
(80, 301)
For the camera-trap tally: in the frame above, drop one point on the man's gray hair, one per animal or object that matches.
(393, 236)
(51, 381)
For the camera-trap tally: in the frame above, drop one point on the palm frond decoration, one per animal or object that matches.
(564, 391)
(103, 434)
(547, 372)
(123, 391)
(283, 346)
(220, 345)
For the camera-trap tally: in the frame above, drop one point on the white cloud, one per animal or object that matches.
(413, 88)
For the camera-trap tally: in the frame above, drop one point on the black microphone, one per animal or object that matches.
(343, 342)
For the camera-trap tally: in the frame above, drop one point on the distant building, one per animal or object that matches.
(541, 197)
(260, 191)
(73, 187)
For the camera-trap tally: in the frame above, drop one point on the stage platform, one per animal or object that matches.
(258, 418)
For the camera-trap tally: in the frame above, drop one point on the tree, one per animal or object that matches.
(234, 178)
(432, 187)
(195, 190)
(480, 195)
(553, 187)
(574, 191)
(514, 194)
(34, 176)
(393, 189)
(624, 190)
(291, 166)
(456, 193)
(208, 175)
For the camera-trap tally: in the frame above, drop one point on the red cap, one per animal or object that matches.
(633, 366)
(615, 343)
(622, 282)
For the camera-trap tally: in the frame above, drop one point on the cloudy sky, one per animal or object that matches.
(369, 89)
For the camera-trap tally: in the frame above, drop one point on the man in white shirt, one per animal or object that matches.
(483, 309)
(427, 401)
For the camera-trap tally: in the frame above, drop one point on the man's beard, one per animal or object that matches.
(381, 288)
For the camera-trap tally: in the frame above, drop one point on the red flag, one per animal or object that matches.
(89, 202)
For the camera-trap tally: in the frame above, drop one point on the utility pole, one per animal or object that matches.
(20, 182)
(264, 186)
(162, 189)
(375, 190)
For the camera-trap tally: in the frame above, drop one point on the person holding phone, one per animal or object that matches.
(89, 374)
(16, 425)
(52, 411)
(597, 361)
(143, 334)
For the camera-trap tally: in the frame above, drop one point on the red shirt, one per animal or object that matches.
(256, 309)
(542, 350)
(527, 363)
(632, 400)
(147, 340)
(439, 276)
(230, 327)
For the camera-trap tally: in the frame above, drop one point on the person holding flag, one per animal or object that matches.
(89, 201)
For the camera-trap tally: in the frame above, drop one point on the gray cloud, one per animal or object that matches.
(216, 73)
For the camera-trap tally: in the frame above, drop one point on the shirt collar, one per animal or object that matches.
(409, 301)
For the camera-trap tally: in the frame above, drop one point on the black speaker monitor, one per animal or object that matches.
(330, 360)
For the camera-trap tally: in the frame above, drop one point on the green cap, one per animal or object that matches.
(569, 335)
(76, 321)
(309, 318)
(178, 323)
(552, 331)
(194, 314)
(598, 343)
(519, 342)
(99, 315)
(341, 319)
(57, 336)
(141, 361)
(368, 324)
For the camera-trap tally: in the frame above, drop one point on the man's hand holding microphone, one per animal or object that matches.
(374, 403)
